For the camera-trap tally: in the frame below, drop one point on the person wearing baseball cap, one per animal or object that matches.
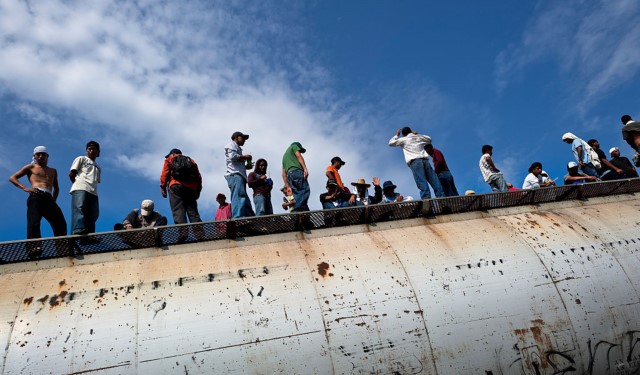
(294, 176)
(622, 163)
(43, 193)
(333, 173)
(607, 171)
(236, 175)
(145, 217)
(574, 177)
(336, 197)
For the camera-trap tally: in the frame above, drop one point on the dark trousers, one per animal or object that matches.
(184, 202)
(41, 205)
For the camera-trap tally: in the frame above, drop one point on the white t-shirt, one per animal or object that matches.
(533, 182)
(88, 175)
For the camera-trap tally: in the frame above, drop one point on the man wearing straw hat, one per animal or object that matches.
(362, 197)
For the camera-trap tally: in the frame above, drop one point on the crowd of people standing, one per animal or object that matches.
(181, 181)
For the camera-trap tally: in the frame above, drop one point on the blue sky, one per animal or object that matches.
(142, 77)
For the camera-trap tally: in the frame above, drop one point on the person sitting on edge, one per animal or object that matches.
(223, 212)
(580, 149)
(607, 171)
(417, 159)
(288, 202)
(145, 217)
(537, 177)
(490, 173)
(622, 163)
(631, 134)
(442, 170)
(389, 194)
(262, 186)
(336, 197)
(576, 178)
(362, 197)
(333, 173)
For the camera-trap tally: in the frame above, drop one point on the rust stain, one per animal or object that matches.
(95, 281)
(44, 299)
(323, 268)
(62, 283)
(27, 301)
(578, 301)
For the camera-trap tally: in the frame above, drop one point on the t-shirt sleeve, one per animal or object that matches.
(77, 164)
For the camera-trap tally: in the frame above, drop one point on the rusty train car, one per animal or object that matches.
(548, 284)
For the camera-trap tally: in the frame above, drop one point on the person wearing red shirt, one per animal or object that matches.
(442, 170)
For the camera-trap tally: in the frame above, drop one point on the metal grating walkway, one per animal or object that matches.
(27, 250)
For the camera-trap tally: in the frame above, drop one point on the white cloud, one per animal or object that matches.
(145, 77)
(594, 41)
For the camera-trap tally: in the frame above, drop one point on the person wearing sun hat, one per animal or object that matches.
(362, 188)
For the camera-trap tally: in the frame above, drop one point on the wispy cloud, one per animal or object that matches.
(175, 74)
(594, 41)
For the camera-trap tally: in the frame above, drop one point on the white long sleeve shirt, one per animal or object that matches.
(412, 146)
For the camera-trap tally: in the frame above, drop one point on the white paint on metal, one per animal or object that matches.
(525, 290)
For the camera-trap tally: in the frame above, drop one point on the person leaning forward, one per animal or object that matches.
(43, 194)
(181, 178)
(294, 176)
(417, 159)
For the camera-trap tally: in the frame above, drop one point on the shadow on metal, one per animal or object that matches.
(78, 246)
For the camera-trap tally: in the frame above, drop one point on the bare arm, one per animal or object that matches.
(284, 179)
(72, 175)
(56, 188)
(24, 171)
(330, 175)
(304, 166)
(579, 150)
(608, 164)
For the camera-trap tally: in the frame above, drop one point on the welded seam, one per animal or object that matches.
(15, 318)
(415, 296)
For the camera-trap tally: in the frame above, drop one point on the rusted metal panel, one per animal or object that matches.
(538, 290)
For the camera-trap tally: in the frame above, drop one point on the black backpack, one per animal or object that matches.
(183, 169)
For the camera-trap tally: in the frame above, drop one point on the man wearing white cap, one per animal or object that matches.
(143, 218)
(574, 177)
(586, 160)
(42, 194)
(622, 163)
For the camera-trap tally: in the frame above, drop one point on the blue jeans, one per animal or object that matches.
(301, 190)
(423, 173)
(498, 183)
(240, 202)
(448, 186)
(589, 169)
(84, 212)
(263, 205)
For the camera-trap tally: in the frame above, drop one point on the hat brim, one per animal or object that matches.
(357, 184)
(144, 212)
(389, 187)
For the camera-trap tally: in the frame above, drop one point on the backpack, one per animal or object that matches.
(183, 169)
(593, 155)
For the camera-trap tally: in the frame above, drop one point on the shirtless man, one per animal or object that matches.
(42, 194)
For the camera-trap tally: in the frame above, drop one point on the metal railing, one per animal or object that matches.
(77, 246)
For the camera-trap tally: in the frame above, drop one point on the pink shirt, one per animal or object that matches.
(223, 213)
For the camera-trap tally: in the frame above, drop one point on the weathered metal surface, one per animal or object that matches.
(525, 290)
